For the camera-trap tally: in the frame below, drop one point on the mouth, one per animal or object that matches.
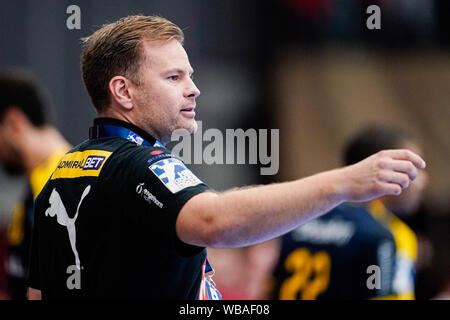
(188, 112)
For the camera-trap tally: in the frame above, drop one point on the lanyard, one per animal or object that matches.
(208, 289)
(208, 267)
(110, 130)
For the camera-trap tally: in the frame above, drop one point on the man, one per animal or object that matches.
(356, 252)
(121, 217)
(30, 146)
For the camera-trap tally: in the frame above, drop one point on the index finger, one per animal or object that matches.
(404, 154)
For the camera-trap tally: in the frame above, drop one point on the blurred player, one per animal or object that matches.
(29, 146)
(356, 252)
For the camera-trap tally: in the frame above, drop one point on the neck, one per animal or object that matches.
(40, 145)
(113, 113)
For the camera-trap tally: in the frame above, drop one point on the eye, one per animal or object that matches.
(174, 77)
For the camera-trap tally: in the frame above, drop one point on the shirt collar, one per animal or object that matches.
(123, 124)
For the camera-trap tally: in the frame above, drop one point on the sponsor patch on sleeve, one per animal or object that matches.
(174, 174)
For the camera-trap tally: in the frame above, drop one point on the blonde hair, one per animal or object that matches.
(116, 49)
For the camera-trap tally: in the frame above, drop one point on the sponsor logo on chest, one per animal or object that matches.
(80, 164)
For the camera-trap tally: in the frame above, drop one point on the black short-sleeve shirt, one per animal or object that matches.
(105, 222)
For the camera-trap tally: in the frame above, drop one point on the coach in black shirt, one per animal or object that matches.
(121, 217)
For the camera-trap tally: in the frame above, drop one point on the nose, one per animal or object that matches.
(192, 90)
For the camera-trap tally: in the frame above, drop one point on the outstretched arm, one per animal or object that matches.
(245, 216)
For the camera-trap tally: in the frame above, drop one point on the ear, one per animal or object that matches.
(119, 88)
(15, 121)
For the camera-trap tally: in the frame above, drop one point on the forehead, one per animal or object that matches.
(163, 55)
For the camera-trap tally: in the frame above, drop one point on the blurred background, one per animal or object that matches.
(310, 68)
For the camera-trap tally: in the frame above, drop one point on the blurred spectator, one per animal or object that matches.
(29, 146)
(403, 22)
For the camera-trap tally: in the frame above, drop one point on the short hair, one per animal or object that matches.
(373, 139)
(22, 89)
(116, 49)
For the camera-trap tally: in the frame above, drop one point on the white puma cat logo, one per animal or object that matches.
(57, 208)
